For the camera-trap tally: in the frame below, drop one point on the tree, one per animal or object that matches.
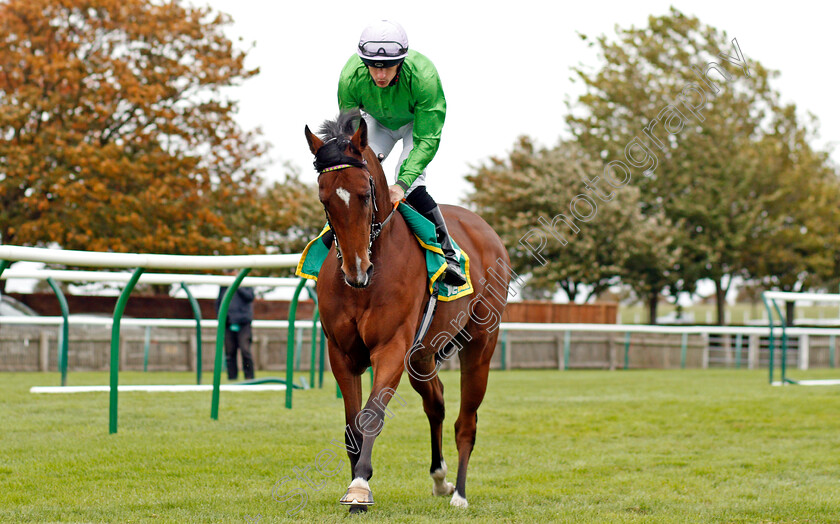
(116, 133)
(796, 246)
(281, 217)
(678, 108)
(560, 228)
(652, 263)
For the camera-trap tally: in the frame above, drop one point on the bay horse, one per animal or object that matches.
(370, 317)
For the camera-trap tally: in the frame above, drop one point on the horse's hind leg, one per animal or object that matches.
(432, 393)
(475, 367)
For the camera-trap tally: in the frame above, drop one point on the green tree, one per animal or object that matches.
(679, 107)
(652, 263)
(531, 199)
(796, 246)
(116, 130)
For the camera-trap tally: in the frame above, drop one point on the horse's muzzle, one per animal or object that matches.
(362, 281)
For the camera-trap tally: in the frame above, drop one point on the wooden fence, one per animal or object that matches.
(35, 348)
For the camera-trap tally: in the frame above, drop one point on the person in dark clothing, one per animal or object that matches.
(238, 330)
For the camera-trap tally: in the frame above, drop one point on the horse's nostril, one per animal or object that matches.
(370, 272)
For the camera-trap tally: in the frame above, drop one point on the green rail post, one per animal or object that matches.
(290, 343)
(683, 350)
(504, 349)
(567, 344)
(147, 341)
(65, 329)
(220, 342)
(771, 342)
(738, 341)
(4, 265)
(197, 315)
(783, 320)
(115, 347)
(831, 350)
(627, 350)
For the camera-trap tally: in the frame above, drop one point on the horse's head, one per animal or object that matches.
(347, 189)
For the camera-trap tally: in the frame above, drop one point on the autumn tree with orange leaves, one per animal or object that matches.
(114, 133)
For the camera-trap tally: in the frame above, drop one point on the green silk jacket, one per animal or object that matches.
(417, 97)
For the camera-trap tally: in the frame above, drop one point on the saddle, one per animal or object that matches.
(424, 231)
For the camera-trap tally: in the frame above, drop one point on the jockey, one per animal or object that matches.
(400, 94)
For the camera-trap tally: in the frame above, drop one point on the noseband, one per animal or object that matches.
(375, 227)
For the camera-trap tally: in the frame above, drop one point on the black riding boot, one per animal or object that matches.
(452, 275)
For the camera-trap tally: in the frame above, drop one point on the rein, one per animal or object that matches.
(375, 227)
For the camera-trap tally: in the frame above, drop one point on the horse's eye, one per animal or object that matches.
(366, 198)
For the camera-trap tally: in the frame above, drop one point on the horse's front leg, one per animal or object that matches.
(351, 391)
(387, 368)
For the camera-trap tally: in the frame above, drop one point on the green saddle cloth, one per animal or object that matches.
(424, 231)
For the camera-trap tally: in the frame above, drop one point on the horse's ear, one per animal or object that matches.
(359, 138)
(315, 143)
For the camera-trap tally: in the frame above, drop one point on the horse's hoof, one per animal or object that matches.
(357, 509)
(357, 494)
(458, 501)
(441, 487)
(444, 488)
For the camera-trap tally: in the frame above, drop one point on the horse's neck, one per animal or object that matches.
(396, 225)
(383, 197)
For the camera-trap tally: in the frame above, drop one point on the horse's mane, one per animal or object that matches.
(343, 126)
(336, 136)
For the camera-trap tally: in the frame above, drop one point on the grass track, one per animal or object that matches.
(580, 446)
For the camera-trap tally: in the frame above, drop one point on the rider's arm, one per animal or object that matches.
(347, 94)
(429, 114)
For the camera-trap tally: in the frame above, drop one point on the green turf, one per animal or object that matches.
(552, 446)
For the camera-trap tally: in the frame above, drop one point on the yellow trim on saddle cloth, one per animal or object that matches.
(299, 270)
(464, 290)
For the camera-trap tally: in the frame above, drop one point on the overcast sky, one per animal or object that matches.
(505, 66)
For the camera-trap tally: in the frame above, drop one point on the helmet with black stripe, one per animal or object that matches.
(383, 44)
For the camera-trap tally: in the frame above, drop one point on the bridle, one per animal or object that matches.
(375, 227)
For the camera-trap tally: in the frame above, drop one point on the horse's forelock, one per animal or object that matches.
(342, 127)
(336, 136)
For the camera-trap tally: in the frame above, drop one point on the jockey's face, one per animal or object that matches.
(383, 75)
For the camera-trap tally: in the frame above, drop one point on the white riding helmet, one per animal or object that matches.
(383, 44)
